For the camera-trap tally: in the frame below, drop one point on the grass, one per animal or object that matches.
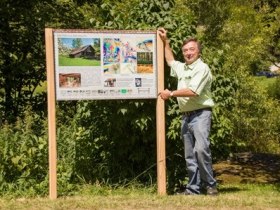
(235, 196)
(66, 61)
(265, 82)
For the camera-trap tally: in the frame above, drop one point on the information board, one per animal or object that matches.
(79, 66)
(105, 65)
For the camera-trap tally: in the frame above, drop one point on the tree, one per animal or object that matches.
(245, 40)
(22, 55)
(77, 43)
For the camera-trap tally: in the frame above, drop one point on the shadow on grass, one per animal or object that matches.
(246, 168)
(230, 189)
(277, 186)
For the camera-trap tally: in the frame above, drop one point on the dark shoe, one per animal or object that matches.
(212, 191)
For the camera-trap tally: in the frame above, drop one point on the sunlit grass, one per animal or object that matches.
(239, 196)
(66, 61)
(264, 82)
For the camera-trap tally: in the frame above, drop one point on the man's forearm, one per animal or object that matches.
(168, 52)
(166, 94)
(185, 92)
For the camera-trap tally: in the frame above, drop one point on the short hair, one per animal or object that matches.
(192, 39)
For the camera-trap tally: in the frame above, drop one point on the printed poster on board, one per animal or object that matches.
(105, 65)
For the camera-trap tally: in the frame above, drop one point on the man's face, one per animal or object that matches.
(190, 52)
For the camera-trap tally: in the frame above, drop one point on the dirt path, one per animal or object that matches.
(249, 168)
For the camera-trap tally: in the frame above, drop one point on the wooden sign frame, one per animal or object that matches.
(51, 91)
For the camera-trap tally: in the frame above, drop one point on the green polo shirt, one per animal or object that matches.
(196, 77)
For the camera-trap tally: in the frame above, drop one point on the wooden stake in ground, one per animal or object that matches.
(51, 113)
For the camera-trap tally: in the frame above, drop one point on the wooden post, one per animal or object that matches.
(51, 113)
(160, 120)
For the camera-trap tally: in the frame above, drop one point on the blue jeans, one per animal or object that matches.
(195, 135)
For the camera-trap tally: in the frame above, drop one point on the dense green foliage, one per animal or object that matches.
(114, 141)
(273, 89)
(23, 155)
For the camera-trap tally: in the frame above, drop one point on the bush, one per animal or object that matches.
(274, 89)
(24, 162)
(256, 119)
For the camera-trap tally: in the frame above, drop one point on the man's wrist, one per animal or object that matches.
(166, 41)
(171, 94)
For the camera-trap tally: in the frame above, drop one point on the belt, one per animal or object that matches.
(196, 111)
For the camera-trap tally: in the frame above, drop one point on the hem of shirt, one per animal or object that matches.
(206, 107)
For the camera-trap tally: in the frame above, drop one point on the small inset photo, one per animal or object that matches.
(138, 82)
(70, 80)
(110, 82)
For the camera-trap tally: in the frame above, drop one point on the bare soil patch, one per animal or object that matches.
(249, 168)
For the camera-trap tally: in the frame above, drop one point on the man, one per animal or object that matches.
(194, 98)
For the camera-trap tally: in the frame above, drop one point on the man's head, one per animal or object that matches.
(191, 50)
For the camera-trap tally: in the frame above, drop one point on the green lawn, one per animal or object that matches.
(235, 196)
(264, 81)
(66, 61)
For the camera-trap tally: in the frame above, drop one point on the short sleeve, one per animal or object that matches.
(200, 79)
(176, 68)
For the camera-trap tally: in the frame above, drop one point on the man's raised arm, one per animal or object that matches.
(167, 49)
